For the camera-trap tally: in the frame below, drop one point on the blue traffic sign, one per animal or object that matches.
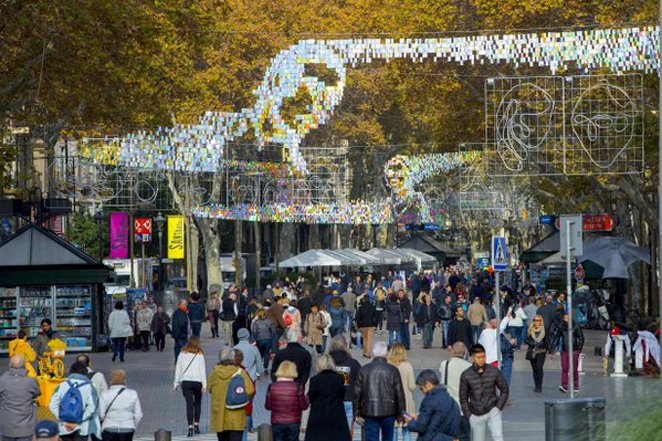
(499, 253)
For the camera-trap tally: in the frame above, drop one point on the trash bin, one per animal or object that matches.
(581, 419)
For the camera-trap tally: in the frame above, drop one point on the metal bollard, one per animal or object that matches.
(264, 433)
(162, 435)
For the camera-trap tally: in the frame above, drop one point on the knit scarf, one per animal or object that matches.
(541, 334)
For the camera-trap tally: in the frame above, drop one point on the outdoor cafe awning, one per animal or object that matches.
(314, 258)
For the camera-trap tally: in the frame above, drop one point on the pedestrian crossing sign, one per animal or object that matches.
(499, 253)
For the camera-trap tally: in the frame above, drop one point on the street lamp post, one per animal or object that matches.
(98, 217)
(160, 221)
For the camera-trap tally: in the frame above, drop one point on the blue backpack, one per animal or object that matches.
(72, 406)
(237, 396)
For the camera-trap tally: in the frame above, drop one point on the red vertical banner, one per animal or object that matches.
(119, 235)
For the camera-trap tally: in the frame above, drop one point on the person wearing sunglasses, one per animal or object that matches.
(536, 339)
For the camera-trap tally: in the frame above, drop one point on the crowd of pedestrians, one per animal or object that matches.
(299, 339)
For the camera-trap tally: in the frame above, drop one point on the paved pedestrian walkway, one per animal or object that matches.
(151, 374)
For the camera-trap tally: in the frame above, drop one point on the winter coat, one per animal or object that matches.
(304, 305)
(125, 412)
(349, 369)
(17, 411)
(221, 418)
(213, 304)
(262, 329)
(366, 315)
(160, 323)
(350, 301)
(338, 317)
(196, 313)
(327, 321)
(444, 311)
(180, 325)
(275, 314)
(314, 328)
(507, 348)
(286, 400)
(40, 343)
(405, 308)
(477, 314)
(20, 346)
(549, 315)
(408, 385)
(460, 330)
(393, 316)
(379, 391)
(439, 417)
(229, 310)
(252, 358)
(295, 353)
(478, 390)
(119, 324)
(426, 315)
(90, 401)
(520, 316)
(327, 420)
(144, 319)
(561, 335)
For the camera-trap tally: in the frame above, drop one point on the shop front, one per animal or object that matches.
(43, 276)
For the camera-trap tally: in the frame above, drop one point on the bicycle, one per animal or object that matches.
(51, 364)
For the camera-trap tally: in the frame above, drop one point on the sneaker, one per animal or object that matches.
(576, 391)
(563, 389)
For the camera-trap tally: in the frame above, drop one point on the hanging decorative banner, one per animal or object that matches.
(119, 235)
(176, 229)
(199, 147)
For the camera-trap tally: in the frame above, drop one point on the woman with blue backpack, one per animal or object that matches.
(74, 405)
(230, 388)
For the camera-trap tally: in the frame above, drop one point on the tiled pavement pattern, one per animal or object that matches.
(151, 375)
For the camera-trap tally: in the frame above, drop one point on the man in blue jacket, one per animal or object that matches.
(439, 415)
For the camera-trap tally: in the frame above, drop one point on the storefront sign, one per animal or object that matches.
(596, 222)
(119, 235)
(176, 237)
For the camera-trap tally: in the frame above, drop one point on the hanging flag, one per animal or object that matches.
(176, 237)
(119, 235)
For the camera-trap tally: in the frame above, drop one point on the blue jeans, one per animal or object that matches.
(507, 369)
(325, 339)
(522, 336)
(336, 330)
(516, 332)
(405, 337)
(119, 345)
(444, 332)
(359, 340)
(350, 320)
(264, 346)
(196, 327)
(179, 344)
(475, 331)
(373, 426)
(349, 413)
(394, 337)
(428, 333)
(286, 432)
(406, 434)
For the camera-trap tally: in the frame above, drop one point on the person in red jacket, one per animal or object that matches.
(286, 399)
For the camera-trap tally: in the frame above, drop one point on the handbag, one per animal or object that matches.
(112, 402)
(529, 354)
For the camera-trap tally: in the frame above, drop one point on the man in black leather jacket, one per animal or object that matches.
(380, 397)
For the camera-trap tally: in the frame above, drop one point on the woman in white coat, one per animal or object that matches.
(191, 377)
(119, 328)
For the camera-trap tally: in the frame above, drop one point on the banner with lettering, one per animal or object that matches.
(176, 237)
(119, 235)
